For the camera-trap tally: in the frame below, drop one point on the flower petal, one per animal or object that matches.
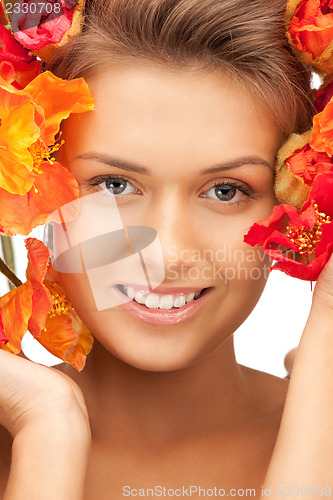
(322, 132)
(76, 26)
(3, 337)
(323, 96)
(18, 131)
(68, 96)
(301, 243)
(36, 31)
(322, 193)
(67, 338)
(16, 308)
(277, 221)
(310, 32)
(38, 259)
(25, 66)
(56, 187)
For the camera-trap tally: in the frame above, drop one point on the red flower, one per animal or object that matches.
(311, 31)
(323, 97)
(48, 28)
(35, 30)
(24, 66)
(300, 241)
(307, 163)
(3, 17)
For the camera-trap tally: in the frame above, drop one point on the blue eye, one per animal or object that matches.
(115, 185)
(227, 192)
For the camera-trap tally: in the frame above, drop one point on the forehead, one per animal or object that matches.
(149, 112)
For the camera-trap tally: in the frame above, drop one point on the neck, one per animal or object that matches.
(125, 403)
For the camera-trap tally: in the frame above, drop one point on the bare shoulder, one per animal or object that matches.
(6, 442)
(61, 367)
(267, 391)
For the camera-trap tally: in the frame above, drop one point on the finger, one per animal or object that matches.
(323, 293)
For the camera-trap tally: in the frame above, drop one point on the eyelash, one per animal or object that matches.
(97, 181)
(237, 185)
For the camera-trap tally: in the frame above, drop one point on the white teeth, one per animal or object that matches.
(166, 302)
(152, 301)
(179, 301)
(140, 298)
(189, 297)
(159, 301)
(130, 292)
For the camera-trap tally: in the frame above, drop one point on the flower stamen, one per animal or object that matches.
(306, 239)
(61, 304)
(42, 153)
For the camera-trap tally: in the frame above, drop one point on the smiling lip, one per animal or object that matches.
(165, 317)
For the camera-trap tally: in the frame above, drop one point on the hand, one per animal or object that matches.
(323, 293)
(30, 392)
(303, 450)
(45, 412)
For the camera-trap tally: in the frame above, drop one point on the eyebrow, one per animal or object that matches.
(135, 167)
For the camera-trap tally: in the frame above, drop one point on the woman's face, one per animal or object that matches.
(192, 156)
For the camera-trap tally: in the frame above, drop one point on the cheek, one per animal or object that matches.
(78, 290)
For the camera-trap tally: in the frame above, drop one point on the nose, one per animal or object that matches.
(177, 232)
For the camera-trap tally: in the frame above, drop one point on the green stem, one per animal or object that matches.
(8, 251)
(4, 269)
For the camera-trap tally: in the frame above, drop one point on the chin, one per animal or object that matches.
(153, 363)
(157, 355)
(149, 348)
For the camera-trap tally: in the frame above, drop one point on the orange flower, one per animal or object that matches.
(322, 132)
(64, 335)
(32, 185)
(30, 121)
(3, 337)
(27, 306)
(18, 132)
(41, 306)
(20, 214)
(310, 32)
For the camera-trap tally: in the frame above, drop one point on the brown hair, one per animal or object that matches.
(244, 38)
